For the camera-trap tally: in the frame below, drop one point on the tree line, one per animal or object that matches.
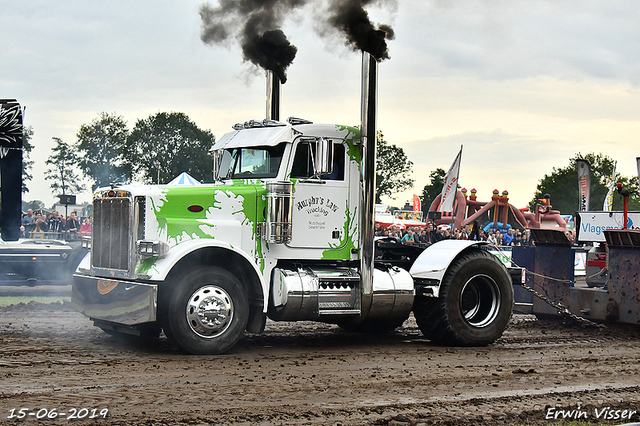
(166, 144)
(562, 186)
(157, 149)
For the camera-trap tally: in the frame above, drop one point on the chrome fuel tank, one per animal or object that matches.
(311, 293)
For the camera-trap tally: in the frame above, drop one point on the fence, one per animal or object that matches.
(64, 236)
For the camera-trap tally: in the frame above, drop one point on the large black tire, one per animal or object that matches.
(208, 312)
(474, 306)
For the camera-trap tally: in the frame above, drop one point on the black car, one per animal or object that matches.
(39, 261)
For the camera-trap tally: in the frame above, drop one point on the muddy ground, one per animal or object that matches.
(54, 362)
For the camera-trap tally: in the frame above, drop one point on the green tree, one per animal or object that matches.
(562, 185)
(27, 163)
(101, 150)
(167, 144)
(35, 205)
(433, 188)
(393, 169)
(61, 170)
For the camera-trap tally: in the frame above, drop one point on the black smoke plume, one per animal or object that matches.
(350, 17)
(256, 23)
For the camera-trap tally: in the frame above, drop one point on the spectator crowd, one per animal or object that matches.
(431, 233)
(54, 225)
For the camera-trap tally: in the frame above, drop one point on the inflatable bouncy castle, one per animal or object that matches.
(497, 213)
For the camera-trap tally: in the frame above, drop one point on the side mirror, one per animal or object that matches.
(324, 157)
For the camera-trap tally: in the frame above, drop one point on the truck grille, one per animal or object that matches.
(111, 231)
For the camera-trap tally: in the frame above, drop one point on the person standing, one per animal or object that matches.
(85, 228)
(508, 237)
(436, 235)
(474, 234)
(28, 223)
(408, 238)
(54, 225)
(491, 239)
(73, 225)
(517, 239)
(40, 226)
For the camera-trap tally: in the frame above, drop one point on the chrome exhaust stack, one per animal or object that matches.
(369, 100)
(273, 96)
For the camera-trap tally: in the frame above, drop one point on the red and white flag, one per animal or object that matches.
(448, 195)
(416, 203)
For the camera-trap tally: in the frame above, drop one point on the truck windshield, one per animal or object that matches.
(249, 163)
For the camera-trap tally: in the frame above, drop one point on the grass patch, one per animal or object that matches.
(15, 300)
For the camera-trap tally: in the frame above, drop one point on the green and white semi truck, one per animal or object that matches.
(284, 232)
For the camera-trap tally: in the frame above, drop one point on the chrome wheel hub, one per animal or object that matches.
(209, 311)
(480, 300)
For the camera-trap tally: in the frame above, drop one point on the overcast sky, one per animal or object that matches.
(523, 85)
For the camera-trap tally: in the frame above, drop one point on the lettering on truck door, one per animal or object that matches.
(320, 204)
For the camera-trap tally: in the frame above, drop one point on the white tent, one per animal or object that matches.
(184, 179)
(386, 219)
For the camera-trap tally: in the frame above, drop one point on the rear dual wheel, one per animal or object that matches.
(474, 305)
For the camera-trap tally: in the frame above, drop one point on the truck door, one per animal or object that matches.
(320, 205)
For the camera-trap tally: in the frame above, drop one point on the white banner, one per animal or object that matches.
(593, 224)
(450, 186)
(608, 200)
(584, 184)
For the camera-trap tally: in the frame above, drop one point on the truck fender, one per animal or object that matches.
(431, 265)
(158, 269)
(254, 286)
(85, 263)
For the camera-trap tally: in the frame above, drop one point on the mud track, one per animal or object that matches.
(307, 373)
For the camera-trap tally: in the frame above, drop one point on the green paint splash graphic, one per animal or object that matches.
(342, 249)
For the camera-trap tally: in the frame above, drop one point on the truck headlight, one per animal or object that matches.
(86, 243)
(151, 248)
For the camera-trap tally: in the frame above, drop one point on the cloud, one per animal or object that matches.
(490, 160)
(553, 76)
(504, 40)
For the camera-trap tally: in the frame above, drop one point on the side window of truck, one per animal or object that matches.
(303, 162)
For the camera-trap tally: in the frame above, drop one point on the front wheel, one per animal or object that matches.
(475, 302)
(208, 311)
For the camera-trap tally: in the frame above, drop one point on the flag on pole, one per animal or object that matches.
(416, 203)
(638, 165)
(584, 184)
(448, 195)
(608, 200)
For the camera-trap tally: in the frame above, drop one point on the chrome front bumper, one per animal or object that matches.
(121, 302)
